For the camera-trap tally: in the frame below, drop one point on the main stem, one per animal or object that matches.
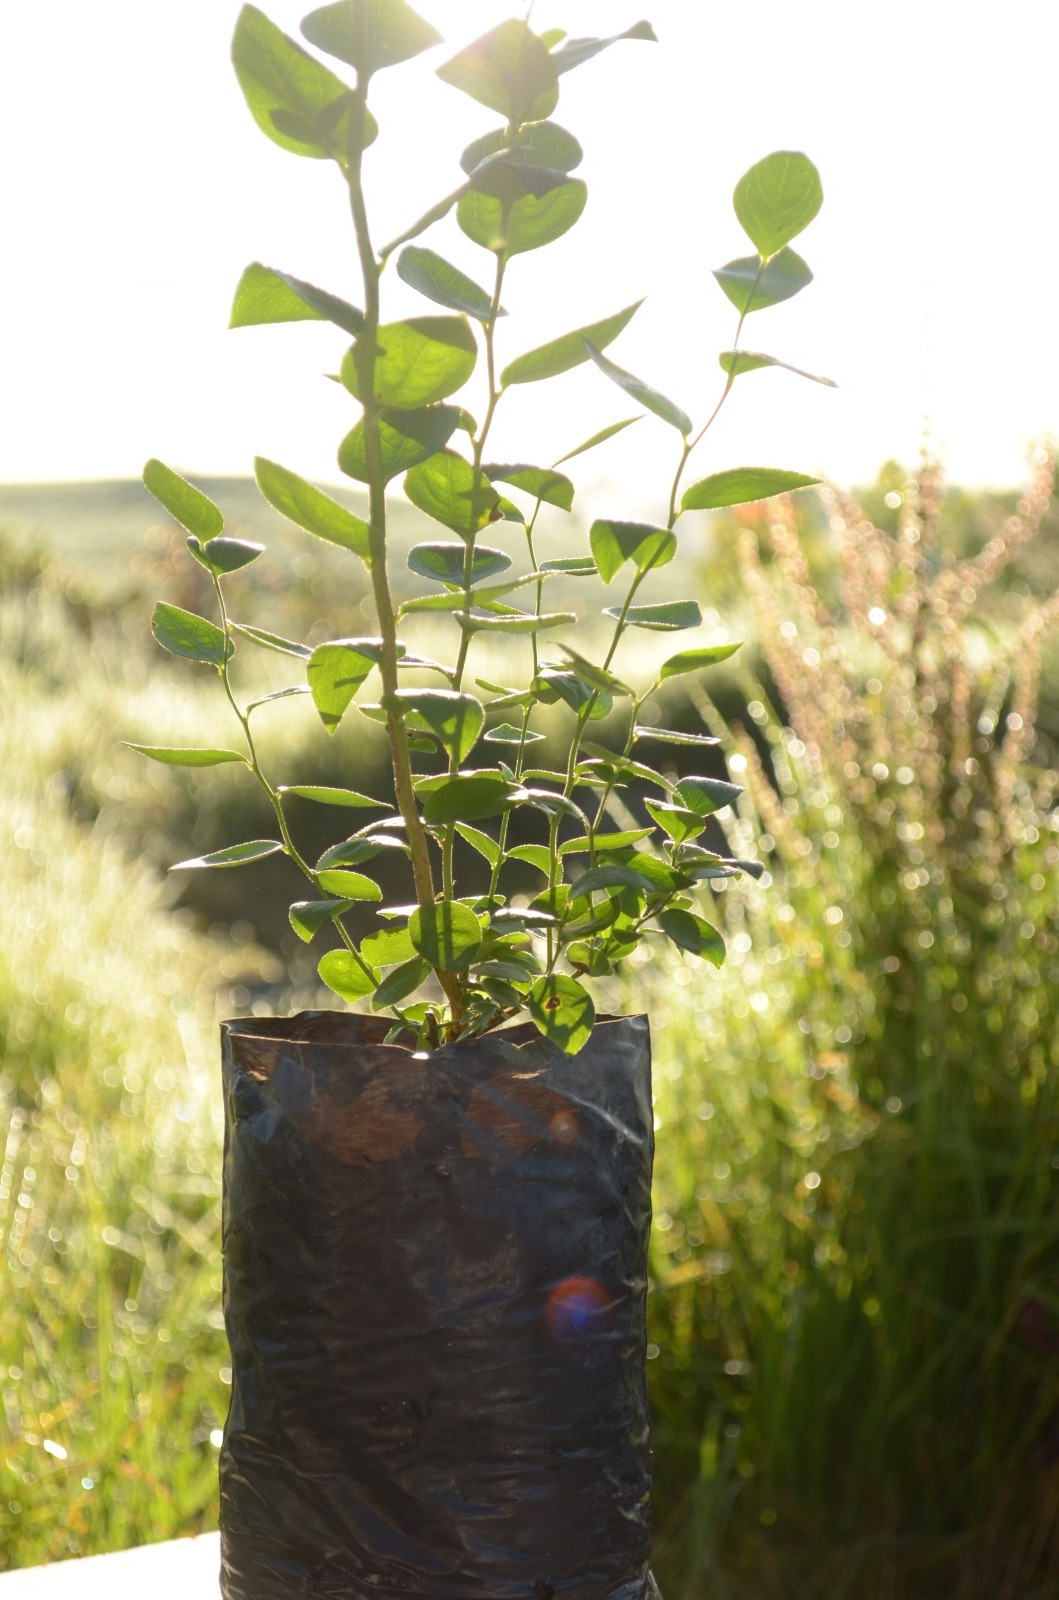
(365, 358)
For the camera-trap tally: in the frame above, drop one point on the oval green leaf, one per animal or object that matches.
(693, 934)
(542, 143)
(694, 660)
(223, 555)
(648, 397)
(417, 362)
(272, 641)
(349, 885)
(443, 283)
(543, 483)
(527, 224)
(335, 672)
(264, 295)
(454, 719)
(704, 796)
(327, 796)
(665, 617)
(369, 34)
(302, 503)
(741, 486)
(736, 362)
(185, 504)
(301, 105)
(405, 439)
(345, 976)
(400, 983)
(446, 562)
(614, 543)
(750, 286)
(563, 1012)
(181, 756)
(468, 799)
(307, 917)
(509, 70)
(446, 934)
(183, 633)
(446, 487)
(776, 199)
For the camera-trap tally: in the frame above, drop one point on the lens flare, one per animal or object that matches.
(565, 1128)
(576, 1307)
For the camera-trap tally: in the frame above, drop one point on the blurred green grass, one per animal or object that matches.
(855, 1316)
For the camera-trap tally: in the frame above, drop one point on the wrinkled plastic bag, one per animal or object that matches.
(435, 1281)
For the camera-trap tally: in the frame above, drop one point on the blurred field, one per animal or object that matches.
(855, 1320)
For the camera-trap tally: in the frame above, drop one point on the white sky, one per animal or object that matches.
(135, 188)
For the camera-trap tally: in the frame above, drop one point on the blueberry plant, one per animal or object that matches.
(462, 957)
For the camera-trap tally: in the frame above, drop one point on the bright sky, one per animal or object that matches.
(136, 188)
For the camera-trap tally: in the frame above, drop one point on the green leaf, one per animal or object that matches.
(417, 362)
(344, 975)
(335, 672)
(445, 562)
(278, 694)
(526, 224)
(400, 983)
(272, 641)
(507, 733)
(614, 543)
(648, 397)
(612, 876)
(776, 199)
(349, 885)
(307, 917)
(543, 483)
(519, 622)
(704, 796)
(509, 70)
(180, 756)
(446, 488)
(185, 504)
(606, 767)
(753, 287)
(454, 719)
(509, 177)
(537, 855)
(264, 295)
(666, 616)
(572, 567)
(443, 283)
(388, 947)
(576, 51)
(222, 555)
(693, 934)
(310, 508)
(563, 1011)
(596, 677)
(572, 689)
(446, 934)
(736, 362)
(542, 143)
(296, 101)
(568, 351)
(598, 438)
(185, 634)
(405, 439)
(672, 736)
(677, 821)
(741, 486)
(326, 796)
(485, 846)
(694, 660)
(369, 34)
(601, 843)
(235, 855)
(468, 799)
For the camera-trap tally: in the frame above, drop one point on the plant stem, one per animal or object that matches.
(366, 348)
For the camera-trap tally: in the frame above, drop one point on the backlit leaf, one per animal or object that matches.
(597, 438)
(741, 486)
(264, 295)
(369, 34)
(542, 143)
(694, 660)
(223, 555)
(387, 948)
(643, 392)
(750, 286)
(568, 351)
(405, 439)
(445, 562)
(301, 105)
(454, 719)
(446, 934)
(509, 70)
(446, 488)
(693, 934)
(776, 199)
(563, 1011)
(614, 543)
(335, 672)
(307, 917)
(349, 885)
(595, 677)
(706, 795)
(468, 799)
(665, 616)
(302, 503)
(736, 362)
(234, 855)
(185, 504)
(677, 821)
(345, 976)
(672, 736)
(183, 633)
(572, 567)
(575, 51)
(443, 283)
(485, 846)
(417, 362)
(507, 733)
(543, 483)
(518, 622)
(400, 983)
(326, 796)
(180, 756)
(528, 224)
(272, 641)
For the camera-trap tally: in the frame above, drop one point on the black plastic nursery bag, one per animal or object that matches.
(435, 1278)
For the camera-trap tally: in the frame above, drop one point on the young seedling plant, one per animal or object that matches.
(461, 958)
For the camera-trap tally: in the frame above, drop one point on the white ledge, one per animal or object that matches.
(180, 1569)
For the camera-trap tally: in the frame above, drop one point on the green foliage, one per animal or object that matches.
(492, 956)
